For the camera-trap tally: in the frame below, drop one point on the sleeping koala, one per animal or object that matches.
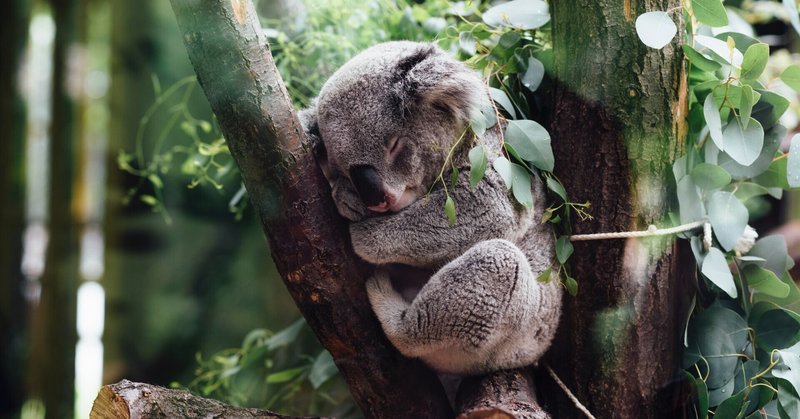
(383, 125)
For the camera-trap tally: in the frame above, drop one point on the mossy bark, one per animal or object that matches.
(617, 125)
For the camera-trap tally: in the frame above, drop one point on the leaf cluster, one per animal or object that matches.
(742, 340)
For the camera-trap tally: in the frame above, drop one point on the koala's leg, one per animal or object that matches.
(477, 301)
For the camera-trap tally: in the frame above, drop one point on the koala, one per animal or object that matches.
(383, 126)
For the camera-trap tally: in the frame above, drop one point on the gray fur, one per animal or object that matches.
(483, 309)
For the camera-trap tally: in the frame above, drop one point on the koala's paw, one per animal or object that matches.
(382, 296)
(348, 204)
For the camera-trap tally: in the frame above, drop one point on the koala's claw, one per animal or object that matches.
(381, 293)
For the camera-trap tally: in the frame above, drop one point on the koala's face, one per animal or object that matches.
(387, 120)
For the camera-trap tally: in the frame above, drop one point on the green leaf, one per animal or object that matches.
(765, 281)
(545, 275)
(502, 99)
(533, 75)
(710, 176)
(467, 43)
(521, 14)
(728, 217)
(322, 369)
(772, 140)
(789, 368)
(774, 250)
(770, 108)
(700, 61)
(655, 29)
(718, 50)
(532, 142)
(788, 400)
(715, 268)
(775, 176)
(711, 113)
(564, 249)
(755, 61)
(689, 202)
(793, 163)
(710, 12)
(749, 98)
(719, 335)
(478, 162)
(478, 124)
(747, 190)
(776, 329)
(453, 177)
(744, 144)
(509, 39)
(557, 187)
(791, 76)
(149, 200)
(521, 186)
(572, 285)
(450, 210)
(503, 167)
(718, 395)
(285, 336)
(791, 9)
(285, 375)
(730, 407)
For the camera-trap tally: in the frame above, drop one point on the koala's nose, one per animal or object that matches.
(369, 185)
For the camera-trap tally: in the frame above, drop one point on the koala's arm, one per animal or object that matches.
(420, 234)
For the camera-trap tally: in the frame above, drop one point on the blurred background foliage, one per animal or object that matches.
(157, 215)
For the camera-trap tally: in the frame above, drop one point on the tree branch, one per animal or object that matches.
(126, 400)
(307, 238)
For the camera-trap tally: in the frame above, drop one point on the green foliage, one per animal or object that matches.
(267, 372)
(743, 336)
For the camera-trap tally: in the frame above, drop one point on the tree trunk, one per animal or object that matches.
(53, 320)
(292, 199)
(128, 400)
(618, 123)
(13, 35)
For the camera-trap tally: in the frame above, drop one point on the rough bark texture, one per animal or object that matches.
(52, 377)
(307, 238)
(618, 123)
(13, 35)
(504, 394)
(129, 400)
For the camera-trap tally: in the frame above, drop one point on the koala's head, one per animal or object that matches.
(387, 120)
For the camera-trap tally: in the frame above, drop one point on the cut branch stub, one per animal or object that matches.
(232, 60)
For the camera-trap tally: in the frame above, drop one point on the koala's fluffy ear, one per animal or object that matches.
(308, 118)
(428, 76)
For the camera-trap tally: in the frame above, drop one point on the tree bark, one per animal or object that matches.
(307, 238)
(13, 35)
(129, 400)
(503, 394)
(618, 123)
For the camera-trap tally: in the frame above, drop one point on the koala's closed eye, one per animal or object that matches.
(395, 145)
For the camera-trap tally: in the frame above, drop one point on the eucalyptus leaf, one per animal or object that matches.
(728, 217)
(711, 113)
(521, 187)
(755, 61)
(700, 61)
(730, 407)
(534, 74)
(478, 124)
(450, 210)
(503, 167)
(689, 202)
(718, 395)
(776, 329)
(770, 108)
(789, 368)
(710, 176)
(719, 50)
(502, 99)
(322, 369)
(744, 144)
(788, 400)
(747, 190)
(285, 375)
(715, 268)
(467, 43)
(791, 76)
(710, 12)
(749, 98)
(774, 250)
(532, 142)
(521, 14)
(775, 176)
(719, 335)
(772, 140)
(478, 162)
(564, 249)
(793, 163)
(557, 187)
(765, 281)
(285, 336)
(655, 29)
